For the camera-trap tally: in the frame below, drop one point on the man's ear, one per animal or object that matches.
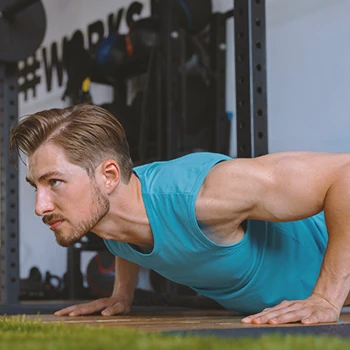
(110, 172)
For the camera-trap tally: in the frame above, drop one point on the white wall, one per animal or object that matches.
(308, 75)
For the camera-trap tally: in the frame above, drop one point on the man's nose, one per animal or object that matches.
(43, 203)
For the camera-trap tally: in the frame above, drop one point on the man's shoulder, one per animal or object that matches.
(195, 159)
(179, 174)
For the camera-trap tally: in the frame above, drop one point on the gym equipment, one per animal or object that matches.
(34, 288)
(22, 28)
(77, 62)
(251, 82)
(31, 287)
(198, 105)
(111, 53)
(111, 57)
(194, 15)
(78, 286)
(52, 290)
(100, 274)
(142, 36)
(144, 33)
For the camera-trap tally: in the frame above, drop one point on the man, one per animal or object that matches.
(183, 218)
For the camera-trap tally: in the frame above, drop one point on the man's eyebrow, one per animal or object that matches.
(45, 176)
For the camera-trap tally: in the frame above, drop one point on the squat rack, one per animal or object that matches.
(251, 114)
(251, 86)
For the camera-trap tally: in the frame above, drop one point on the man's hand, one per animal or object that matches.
(314, 309)
(115, 305)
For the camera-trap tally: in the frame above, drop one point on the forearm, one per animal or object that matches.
(334, 280)
(126, 273)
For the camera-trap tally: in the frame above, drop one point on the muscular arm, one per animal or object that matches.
(126, 273)
(287, 187)
(334, 279)
(120, 300)
(276, 187)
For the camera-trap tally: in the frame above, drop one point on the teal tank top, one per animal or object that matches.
(273, 261)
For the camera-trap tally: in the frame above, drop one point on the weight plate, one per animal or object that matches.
(23, 33)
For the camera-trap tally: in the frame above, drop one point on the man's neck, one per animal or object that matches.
(127, 219)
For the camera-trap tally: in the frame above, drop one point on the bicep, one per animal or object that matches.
(277, 187)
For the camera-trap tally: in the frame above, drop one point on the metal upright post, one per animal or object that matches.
(169, 55)
(251, 87)
(170, 44)
(221, 124)
(73, 272)
(9, 250)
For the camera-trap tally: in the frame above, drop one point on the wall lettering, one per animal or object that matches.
(52, 62)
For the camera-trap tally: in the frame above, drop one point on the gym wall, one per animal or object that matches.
(307, 70)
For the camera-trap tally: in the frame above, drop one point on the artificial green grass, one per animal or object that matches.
(20, 334)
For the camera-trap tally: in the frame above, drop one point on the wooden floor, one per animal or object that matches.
(169, 320)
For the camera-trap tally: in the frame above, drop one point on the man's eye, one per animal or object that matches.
(54, 182)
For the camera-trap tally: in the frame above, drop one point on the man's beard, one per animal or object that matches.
(99, 210)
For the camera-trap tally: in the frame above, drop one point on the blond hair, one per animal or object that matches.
(88, 135)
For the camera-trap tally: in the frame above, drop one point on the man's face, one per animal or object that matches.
(69, 201)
